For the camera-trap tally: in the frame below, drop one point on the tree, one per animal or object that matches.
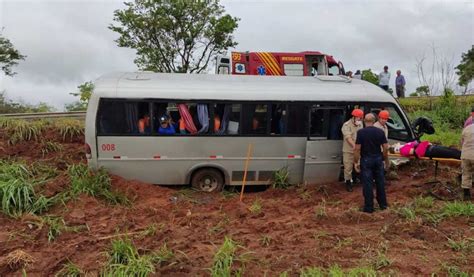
(9, 56)
(421, 91)
(175, 35)
(84, 94)
(466, 69)
(369, 76)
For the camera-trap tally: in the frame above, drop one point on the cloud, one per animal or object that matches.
(68, 42)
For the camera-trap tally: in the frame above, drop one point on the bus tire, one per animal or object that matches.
(208, 180)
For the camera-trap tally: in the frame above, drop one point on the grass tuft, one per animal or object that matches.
(256, 207)
(70, 129)
(70, 269)
(50, 147)
(281, 178)
(96, 184)
(124, 260)
(224, 259)
(456, 208)
(22, 130)
(19, 259)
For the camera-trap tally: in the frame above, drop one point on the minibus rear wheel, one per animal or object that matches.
(207, 179)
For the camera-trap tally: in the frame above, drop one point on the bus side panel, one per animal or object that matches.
(90, 135)
(170, 160)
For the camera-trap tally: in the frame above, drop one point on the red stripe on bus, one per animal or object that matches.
(213, 157)
(117, 157)
(291, 156)
(156, 157)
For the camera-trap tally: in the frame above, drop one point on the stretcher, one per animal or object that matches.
(437, 160)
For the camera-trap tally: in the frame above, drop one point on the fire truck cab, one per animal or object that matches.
(308, 63)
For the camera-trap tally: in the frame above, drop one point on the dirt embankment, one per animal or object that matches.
(302, 226)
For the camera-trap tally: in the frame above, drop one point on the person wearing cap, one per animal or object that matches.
(349, 131)
(382, 122)
(469, 119)
(166, 128)
(367, 150)
(384, 78)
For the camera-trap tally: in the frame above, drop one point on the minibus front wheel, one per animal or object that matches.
(208, 179)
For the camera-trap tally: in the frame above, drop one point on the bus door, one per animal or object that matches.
(324, 145)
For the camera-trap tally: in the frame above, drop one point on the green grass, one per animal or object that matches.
(281, 178)
(96, 184)
(457, 208)
(124, 260)
(17, 190)
(50, 147)
(70, 269)
(69, 128)
(224, 259)
(320, 210)
(337, 271)
(256, 207)
(461, 245)
(163, 255)
(22, 130)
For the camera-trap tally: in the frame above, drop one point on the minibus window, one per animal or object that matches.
(397, 129)
(317, 122)
(226, 119)
(123, 118)
(254, 119)
(295, 120)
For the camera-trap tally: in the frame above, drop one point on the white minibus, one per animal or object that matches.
(195, 129)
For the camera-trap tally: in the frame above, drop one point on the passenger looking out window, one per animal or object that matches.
(217, 123)
(166, 127)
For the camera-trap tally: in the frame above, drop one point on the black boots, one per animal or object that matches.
(349, 185)
(467, 195)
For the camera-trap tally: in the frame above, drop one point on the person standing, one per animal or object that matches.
(400, 85)
(357, 75)
(382, 122)
(469, 119)
(349, 131)
(367, 150)
(467, 160)
(384, 78)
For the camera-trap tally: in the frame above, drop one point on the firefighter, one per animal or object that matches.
(382, 122)
(349, 131)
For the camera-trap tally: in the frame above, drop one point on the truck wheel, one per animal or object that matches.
(208, 179)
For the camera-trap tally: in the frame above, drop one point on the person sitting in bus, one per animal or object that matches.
(182, 126)
(144, 125)
(314, 69)
(255, 124)
(166, 128)
(217, 123)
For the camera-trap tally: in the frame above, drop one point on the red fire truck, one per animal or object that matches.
(308, 63)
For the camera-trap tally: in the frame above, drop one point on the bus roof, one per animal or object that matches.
(239, 88)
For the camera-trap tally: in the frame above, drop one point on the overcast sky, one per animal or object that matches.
(68, 42)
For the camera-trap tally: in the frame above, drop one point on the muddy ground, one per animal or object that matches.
(314, 225)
